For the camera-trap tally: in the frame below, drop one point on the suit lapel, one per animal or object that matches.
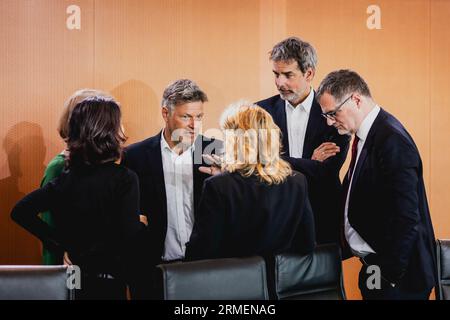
(197, 161)
(155, 160)
(200, 144)
(197, 156)
(367, 146)
(361, 160)
(315, 122)
(279, 116)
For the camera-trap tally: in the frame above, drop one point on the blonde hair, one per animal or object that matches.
(74, 99)
(253, 144)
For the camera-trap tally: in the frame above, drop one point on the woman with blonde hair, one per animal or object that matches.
(256, 204)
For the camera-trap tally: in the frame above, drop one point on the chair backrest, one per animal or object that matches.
(317, 276)
(217, 279)
(34, 283)
(443, 264)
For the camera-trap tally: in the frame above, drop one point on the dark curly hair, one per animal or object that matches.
(95, 132)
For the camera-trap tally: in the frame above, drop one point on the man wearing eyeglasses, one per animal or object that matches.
(309, 145)
(387, 223)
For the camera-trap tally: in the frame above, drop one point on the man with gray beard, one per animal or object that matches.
(309, 145)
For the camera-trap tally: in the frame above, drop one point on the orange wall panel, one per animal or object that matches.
(134, 48)
(42, 63)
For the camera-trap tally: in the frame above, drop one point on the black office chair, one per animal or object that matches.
(217, 279)
(34, 283)
(443, 264)
(317, 276)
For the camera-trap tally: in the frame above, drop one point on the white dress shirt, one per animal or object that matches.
(297, 121)
(357, 244)
(179, 183)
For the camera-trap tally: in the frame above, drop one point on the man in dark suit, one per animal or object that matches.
(167, 165)
(309, 145)
(386, 219)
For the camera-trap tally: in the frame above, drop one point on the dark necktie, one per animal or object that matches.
(346, 185)
(353, 160)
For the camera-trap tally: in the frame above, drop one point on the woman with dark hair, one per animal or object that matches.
(57, 164)
(94, 202)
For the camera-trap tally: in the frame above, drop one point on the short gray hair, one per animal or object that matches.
(341, 83)
(295, 49)
(182, 91)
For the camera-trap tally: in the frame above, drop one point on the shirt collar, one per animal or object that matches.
(165, 145)
(367, 123)
(306, 104)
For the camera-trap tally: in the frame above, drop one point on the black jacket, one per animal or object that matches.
(96, 212)
(388, 205)
(325, 189)
(241, 216)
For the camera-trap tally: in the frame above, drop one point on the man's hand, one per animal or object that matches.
(324, 151)
(143, 219)
(66, 260)
(216, 165)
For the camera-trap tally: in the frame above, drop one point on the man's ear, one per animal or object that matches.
(165, 113)
(358, 99)
(309, 74)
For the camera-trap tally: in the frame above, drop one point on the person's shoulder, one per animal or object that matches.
(141, 145)
(223, 181)
(391, 131)
(218, 178)
(269, 102)
(296, 178)
(123, 172)
(58, 160)
(56, 164)
(393, 143)
(54, 168)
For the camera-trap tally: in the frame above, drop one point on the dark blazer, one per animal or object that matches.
(241, 216)
(388, 205)
(145, 159)
(95, 209)
(325, 189)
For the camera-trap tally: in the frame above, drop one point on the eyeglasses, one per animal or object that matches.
(332, 114)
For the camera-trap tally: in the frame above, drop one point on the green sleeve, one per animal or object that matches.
(54, 169)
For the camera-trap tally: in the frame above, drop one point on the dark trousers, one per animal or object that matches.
(94, 288)
(386, 291)
(149, 285)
